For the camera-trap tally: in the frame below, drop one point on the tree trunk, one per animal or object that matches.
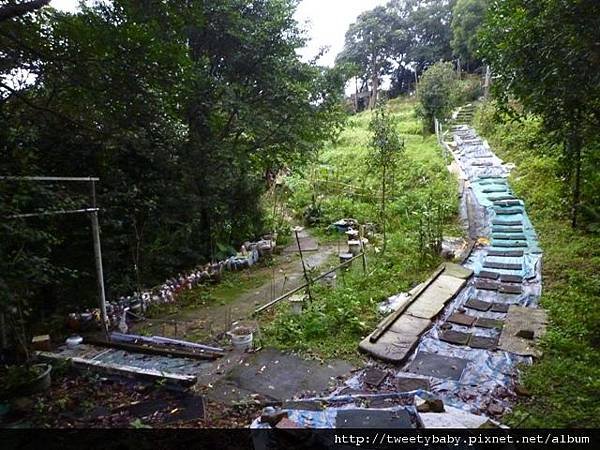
(383, 187)
(375, 85)
(575, 143)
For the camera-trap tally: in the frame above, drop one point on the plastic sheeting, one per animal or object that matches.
(489, 376)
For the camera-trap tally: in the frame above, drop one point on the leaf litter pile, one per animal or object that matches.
(92, 401)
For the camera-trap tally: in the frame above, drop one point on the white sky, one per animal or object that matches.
(326, 22)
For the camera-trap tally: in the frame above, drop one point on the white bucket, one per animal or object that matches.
(241, 341)
(296, 303)
(354, 247)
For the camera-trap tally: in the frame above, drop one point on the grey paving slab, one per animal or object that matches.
(500, 307)
(510, 289)
(275, 375)
(486, 285)
(508, 237)
(374, 377)
(520, 318)
(478, 305)
(508, 212)
(499, 265)
(511, 278)
(461, 319)
(488, 274)
(438, 366)
(483, 322)
(507, 222)
(373, 418)
(509, 244)
(455, 337)
(408, 384)
(483, 342)
(396, 344)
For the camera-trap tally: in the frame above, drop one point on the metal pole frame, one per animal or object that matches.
(93, 212)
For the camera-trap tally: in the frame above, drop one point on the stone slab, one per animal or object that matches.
(502, 197)
(457, 271)
(511, 278)
(507, 223)
(396, 344)
(486, 285)
(521, 318)
(508, 212)
(373, 419)
(508, 202)
(483, 342)
(462, 319)
(510, 244)
(510, 289)
(268, 374)
(500, 307)
(438, 366)
(509, 237)
(504, 266)
(307, 244)
(478, 305)
(506, 253)
(374, 377)
(434, 298)
(408, 384)
(484, 322)
(455, 337)
(488, 274)
(507, 230)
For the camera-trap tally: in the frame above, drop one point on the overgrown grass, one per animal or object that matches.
(565, 382)
(232, 285)
(339, 184)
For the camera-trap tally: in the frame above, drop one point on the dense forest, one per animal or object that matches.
(190, 113)
(182, 109)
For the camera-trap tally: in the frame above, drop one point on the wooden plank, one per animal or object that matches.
(161, 341)
(152, 350)
(117, 369)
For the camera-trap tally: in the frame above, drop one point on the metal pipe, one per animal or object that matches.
(98, 261)
(12, 178)
(52, 213)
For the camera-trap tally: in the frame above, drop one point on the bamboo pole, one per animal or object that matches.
(299, 288)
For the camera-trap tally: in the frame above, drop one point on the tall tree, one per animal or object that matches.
(468, 17)
(436, 93)
(370, 42)
(430, 32)
(179, 108)
(546, 55)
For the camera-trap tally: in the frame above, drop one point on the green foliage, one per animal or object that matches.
(179, 107)
(564, 383)
(437, 93)
(338, 318)
(467, 18)
(387, 147)
(545, 55)
(401, 34)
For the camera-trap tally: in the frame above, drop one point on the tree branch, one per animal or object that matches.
(12, 11)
